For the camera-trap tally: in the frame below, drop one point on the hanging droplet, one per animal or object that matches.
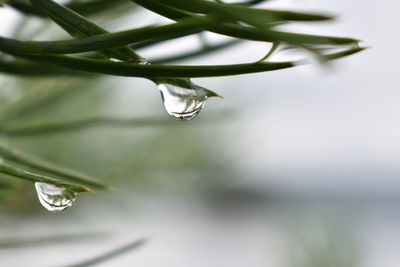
(54, 198)
(184, 103)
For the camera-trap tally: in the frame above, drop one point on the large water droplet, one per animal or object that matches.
(54, 198)
(183, 103)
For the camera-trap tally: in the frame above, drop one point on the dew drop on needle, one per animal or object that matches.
(54, 198)
(183, 103)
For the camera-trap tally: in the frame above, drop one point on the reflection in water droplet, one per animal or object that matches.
(54, 198)
(183, 103)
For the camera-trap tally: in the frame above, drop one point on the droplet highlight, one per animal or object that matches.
(133, 61)
(183, 103)
(54, 198)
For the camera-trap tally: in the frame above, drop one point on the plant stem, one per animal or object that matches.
(79, 26)
(15, 172)
(39, 164)
(62, 127)
(170, 71)
(103, 41)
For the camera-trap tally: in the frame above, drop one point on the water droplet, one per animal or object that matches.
(184, 103)
(54, 198)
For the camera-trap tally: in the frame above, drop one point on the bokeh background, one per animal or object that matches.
(299, 167)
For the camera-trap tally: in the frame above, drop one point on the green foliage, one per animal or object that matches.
(237, 21)
(93, 50)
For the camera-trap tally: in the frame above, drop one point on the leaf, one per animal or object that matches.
(102, 41)
(243, 13)
(153, 70)
(31, 69)
(67, 126)
(264, 34)
(83, 8)
(78, 26)
(33, 177)
(42, 165)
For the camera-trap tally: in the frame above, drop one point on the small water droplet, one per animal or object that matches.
(183, 103)
(54, 198)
